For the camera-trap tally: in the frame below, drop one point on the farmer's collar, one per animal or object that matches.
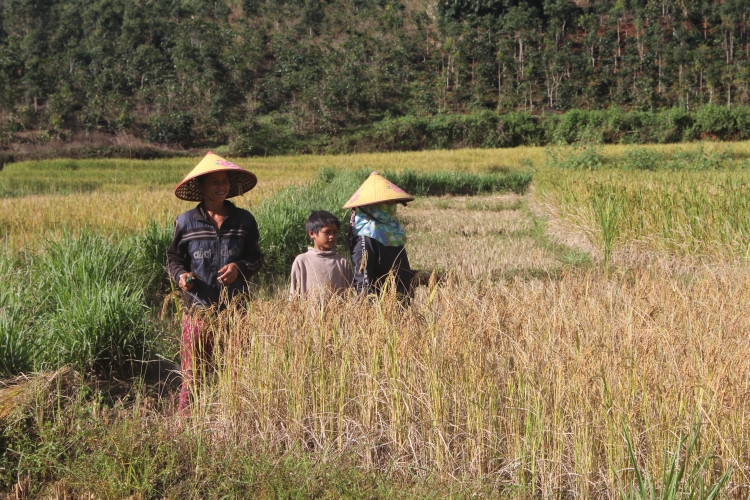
(202, 214)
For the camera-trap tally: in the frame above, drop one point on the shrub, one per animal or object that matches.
(642, 159)
(487, 129)
(613, 125)
(741, 117)
(699, 158)
(518, 129)
(713, 121)
(264, 136)
(678, 121)
(577, 157)
(569, 127)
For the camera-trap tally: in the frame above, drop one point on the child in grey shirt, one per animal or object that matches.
(321, 270)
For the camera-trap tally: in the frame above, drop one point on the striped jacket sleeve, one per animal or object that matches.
(177, 262)
(251, 258)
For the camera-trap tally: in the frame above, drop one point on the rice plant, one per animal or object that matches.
(460, 183)
(687, 212)
(697, 158)
(607, 210)
(18, 349)
(521, 384)
(281, 219)
(489, 384)
(576, 157)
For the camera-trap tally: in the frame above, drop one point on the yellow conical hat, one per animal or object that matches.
(377, 189)
(242, 180)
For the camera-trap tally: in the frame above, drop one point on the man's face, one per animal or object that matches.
(216, 186)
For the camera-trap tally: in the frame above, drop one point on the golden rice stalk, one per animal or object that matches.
(17, 392)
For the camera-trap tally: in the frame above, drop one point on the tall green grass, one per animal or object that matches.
(84, 300)
(16, 316)
(683, 472)
(684, 201)
(607, 209)
(281, 218)
(461, 183)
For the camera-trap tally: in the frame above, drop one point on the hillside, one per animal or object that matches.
(272, 76)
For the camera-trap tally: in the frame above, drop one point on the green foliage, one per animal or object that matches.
(642, 159)
(94, 324)
(17, 348)
(683, 211)
(684, 472)
(460, 183)
(590, 157)
(490, 129)
(483, 129)
(173, 128)
(66, 176)
(713, 121)
(699, 158)
(607, 209)
(282, 218)
(149, 253)
(288, 76)
(83, 300)
(11, 188)
(90, 445)
(267, 135)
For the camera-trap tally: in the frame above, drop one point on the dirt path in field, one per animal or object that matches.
(497, 236)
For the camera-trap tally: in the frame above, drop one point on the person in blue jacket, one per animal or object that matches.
(214, 251)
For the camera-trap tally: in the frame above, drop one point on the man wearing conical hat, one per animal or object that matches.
(214, 251)
(377, 238)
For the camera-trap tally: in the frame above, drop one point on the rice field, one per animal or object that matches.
(589, 340)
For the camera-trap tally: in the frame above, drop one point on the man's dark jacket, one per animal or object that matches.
(199, 247)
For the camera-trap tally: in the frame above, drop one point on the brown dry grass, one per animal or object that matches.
(474, 237)
(524, 384)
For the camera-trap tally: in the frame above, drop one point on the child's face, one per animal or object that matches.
(325, 239)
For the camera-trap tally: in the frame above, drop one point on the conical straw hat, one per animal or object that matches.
(377, 189)
(242, 181)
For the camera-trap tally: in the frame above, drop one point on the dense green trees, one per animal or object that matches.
(274, 75)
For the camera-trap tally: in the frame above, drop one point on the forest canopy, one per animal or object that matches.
(305, 75)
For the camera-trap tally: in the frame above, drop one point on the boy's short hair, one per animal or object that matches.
(320, 219)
